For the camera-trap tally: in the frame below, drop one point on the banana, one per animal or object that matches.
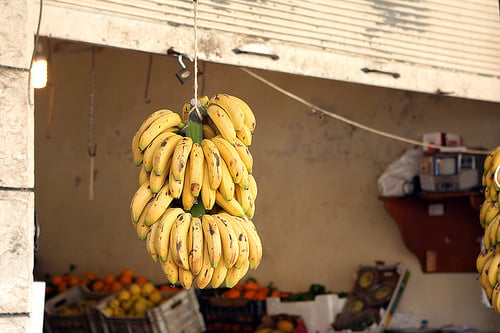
(141, 228)
(178, 240)
(212, 239)
(233, 207)
(213, 158)
(207, 193)
(136, 151)
(235, 274)
(494, 298)
(165, 227)
(494, 226)
(493, 270)
(151, 241)
(187, 196)
(160, 203)
(245, 198)
(483, 257)
(164, 154)
(254, 242)
(231, 107)
(162, 123)
(247, 112)
(252, 185)
(245, 135)
(186, 278)
(245, 155)
(492, 211)
(170, 269)
(241, 236)
(231, 157)
(197, 159)
(487, 193)
(175, 186)
(495, 160)
(222, 122)
(485, 206)
(203, 279)
(486, 236)
(245, 181)
(156, 182)
(195, 246)
(139, 200)
(229, 240)
(207, 131)
(151, 150)
(493, 194)
(219, 274)
(488, 178)
(180, 157)
(143, 176)
(186, 108)
(226, 187)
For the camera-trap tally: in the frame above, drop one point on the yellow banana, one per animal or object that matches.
(175, 186)
(195, 246)
(245, 155)
(485, 206)
(483, 257)
(152, 149)
(245, 135)
(136, 151)
(244, 197)
(203, 279)
(151, 241)
(235, 274)
(164, 154)
(186, 278)
(207, 131)
(166, 223)
(233, 207)
(252, 185)
(160, 203)
(197, 159)
(213, 158)
(219, 274)
(186, 108)
(207, 193)
(139, 200)
(230, 249)
(488, 178)
(244, 181)
(162, 123)
(187, 197)
(231, 157)
(143, 176)
(231, 107)
(493, 194)
(212, 239)
(141, 228)
(490, 214)
(170, 269)
(156, 182)
(493, 270)
(486, 236)
(247, 112)
(494, 298)
(178, 240)
(254, 242)
(494, 226)
(222, 122)
(241, 236)
(180, 157)
(226, 187)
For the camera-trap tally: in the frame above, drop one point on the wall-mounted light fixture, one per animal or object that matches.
(39, 69)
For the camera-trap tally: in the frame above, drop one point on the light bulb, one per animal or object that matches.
(39, 72)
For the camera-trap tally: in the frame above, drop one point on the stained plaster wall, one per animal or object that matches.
(318, 210)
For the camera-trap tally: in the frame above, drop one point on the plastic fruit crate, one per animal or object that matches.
(229, 315)
(178, 313)
(86, 321)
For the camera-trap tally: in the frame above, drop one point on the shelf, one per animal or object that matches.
(441, 229)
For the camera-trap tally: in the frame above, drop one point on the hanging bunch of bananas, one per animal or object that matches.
(196, 196)
(488, 260)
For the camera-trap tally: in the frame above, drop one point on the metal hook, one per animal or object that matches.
(181, 62)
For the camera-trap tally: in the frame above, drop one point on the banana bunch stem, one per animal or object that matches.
(194, 131)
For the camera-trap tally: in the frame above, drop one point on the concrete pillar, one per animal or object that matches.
(16, 165)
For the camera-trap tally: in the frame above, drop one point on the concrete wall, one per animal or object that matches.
(16, 167)
(318, 209)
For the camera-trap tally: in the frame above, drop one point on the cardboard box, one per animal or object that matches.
(318, 315)
(440, 139)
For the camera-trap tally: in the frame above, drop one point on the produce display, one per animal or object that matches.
(196, 196)
(488, 260)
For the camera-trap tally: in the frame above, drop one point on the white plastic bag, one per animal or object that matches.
(397, 179)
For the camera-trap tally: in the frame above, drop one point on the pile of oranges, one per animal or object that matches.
(253, 291)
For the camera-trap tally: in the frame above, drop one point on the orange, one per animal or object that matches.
(232, 293)
(128, 272)
(116, 286)
(62, 287)
(250, 294)
(107, 287)
(56, 280)
(73, 281)
(90, 276)
(251, 285)
(109, 279)
(97, 286)
(141, 279)
(125, 279)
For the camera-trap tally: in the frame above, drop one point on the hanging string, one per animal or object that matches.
(359, 125)
(195, 104)
(35, 47)
(91, 149)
